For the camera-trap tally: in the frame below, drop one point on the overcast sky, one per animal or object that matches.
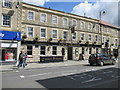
(91, 8)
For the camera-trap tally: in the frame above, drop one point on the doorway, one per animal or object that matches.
(70, 53)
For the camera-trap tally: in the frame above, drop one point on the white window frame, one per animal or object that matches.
(52, 33)
(116, 42)
(6, 20)
(82, 25)
(56, 50)
(103, 39)
(10, 2)
(89, 37)
(63, 21)
(66, 36)
(40, 51)
(45, 32)
(75, 21)
(32, 31)
(56, 19)
(89, 26)
(81, 36)
(96, 38)
(33, 15)
(41, 17)
(75, 35)
(108, 30)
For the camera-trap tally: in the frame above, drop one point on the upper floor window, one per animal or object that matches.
(54, 19)
(116, 32)
(7, 3)
(74, 22)
(96, 37)
(29, 50)
(30, 15)
(82, 36)
(96, 27)
(102, 28)
(43, 18)
(65, 21)
(82, 25)
(74, 36)
(42, 50)
(6, 19)
(90, 50)
(89, 26)
(54, 34)
(89, 37)
(108, 30)
(43, 33)
(30, 31)
(54, 50)
(65, 34)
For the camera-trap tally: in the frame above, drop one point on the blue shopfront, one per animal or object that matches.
(10, 45)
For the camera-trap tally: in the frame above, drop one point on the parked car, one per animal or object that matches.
(101, 59)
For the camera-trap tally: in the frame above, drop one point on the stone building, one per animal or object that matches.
(54, 34)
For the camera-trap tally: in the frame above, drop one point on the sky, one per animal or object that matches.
(89, 8)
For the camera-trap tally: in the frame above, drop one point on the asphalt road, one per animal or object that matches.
(78, 76)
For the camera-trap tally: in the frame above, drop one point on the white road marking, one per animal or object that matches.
(93, 79)
(17, 71)
(22, 76)
(36, 75)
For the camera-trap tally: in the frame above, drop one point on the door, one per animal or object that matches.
(70, 53)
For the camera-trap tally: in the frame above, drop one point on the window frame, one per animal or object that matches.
(32, 31)
(89, 38)
(56, 33)
(75, 35)
(73, 23)
(63, 21)
(54, 20)
(45, 17)
(54, 51)
(45, 32)
(65, 35)
(43, 51)
(9, 5)
(83, 36)
(6, 20)
(32, 16)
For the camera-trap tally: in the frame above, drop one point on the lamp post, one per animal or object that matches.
(101, 12)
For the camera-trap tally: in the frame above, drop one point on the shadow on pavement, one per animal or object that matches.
(104, 78)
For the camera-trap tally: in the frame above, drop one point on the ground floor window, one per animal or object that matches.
(42, 50)
(9, 54)
(54, 50)
(29, 50)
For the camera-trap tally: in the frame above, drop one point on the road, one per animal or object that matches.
(77, 76)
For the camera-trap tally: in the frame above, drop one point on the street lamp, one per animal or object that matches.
(101, 12)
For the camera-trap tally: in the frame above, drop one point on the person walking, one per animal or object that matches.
(22, 57)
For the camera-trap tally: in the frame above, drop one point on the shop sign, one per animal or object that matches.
(10, 35)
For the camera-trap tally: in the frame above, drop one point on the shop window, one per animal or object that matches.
(7, 3)
(90, 50)
(29, 50)
(6, 20)
(83, 50)
(42, 50)
(54, 51)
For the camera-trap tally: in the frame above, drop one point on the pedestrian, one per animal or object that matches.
(21, 59)
(81, 57)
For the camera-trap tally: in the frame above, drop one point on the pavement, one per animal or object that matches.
(4, 68)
